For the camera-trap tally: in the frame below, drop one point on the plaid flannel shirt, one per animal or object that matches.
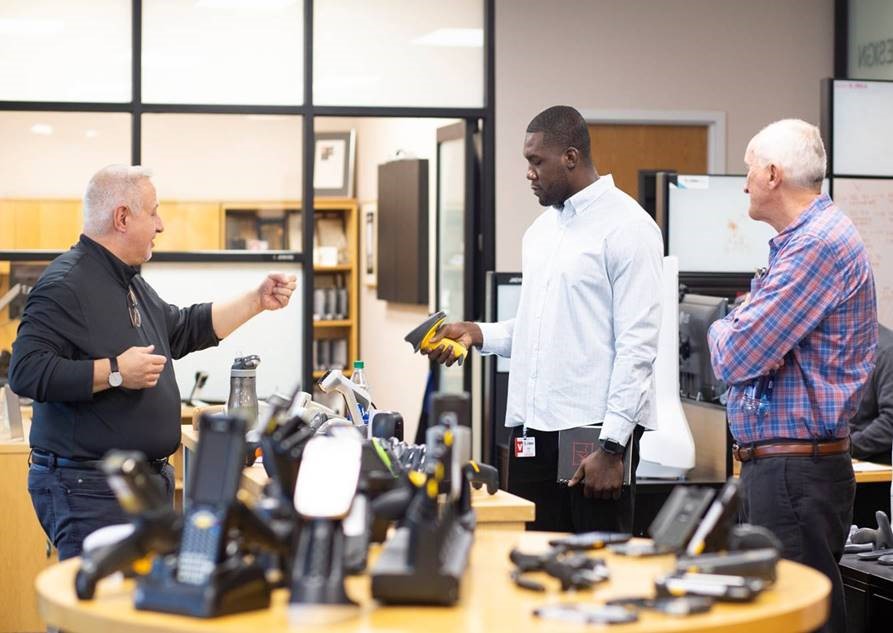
(815, 309)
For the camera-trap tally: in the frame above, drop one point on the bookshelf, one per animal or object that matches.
(336, 265)
(213, 225)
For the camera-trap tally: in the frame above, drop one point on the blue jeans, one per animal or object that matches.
(72, 502)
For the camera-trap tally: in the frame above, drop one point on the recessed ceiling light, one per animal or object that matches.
(42, 128)
(461, 38)
(244, 4)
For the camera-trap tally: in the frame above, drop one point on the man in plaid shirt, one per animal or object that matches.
(796, 355)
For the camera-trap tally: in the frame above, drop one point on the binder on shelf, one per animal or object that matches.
(338, 358)
(324, 355)
(319, 304)
(341, 310)
(330, 304)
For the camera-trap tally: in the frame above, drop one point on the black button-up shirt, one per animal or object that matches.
(78, 312)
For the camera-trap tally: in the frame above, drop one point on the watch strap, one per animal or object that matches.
(113, 364)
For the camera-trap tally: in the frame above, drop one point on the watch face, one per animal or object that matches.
(115, 379)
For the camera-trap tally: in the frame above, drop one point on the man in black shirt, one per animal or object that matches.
(94, 348)
(871, 429)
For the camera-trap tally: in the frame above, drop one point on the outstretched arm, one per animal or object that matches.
(274, 293)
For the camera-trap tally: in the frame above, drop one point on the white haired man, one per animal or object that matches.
(797, 354)
(94, 348)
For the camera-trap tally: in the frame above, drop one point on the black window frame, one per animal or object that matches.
(309, 112)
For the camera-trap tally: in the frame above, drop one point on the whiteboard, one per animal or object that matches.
(709, 228)
(869, 203)
(863, 128)
(274, 336)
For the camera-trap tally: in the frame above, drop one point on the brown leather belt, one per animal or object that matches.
(798, 448)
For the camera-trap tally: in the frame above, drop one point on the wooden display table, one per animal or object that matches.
(502, 511)
(189, 413)
(490, 602)
(870, 473)
(24, 551)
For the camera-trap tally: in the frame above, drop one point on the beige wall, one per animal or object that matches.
(755, 60)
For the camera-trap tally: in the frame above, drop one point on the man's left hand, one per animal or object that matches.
(276, 290)
(601, 474)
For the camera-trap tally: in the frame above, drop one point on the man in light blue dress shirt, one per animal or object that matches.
(584, 340)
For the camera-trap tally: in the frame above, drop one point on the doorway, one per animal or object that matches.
(622, 150)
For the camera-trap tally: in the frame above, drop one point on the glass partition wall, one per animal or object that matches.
(223, 99)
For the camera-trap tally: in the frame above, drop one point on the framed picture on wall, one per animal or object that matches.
(369, 215)
(333, 167)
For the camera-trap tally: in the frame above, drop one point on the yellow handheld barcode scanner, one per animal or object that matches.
(420, 337)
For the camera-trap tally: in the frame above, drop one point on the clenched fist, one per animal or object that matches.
(276, 290)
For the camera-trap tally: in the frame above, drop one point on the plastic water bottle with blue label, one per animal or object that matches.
(359, 378)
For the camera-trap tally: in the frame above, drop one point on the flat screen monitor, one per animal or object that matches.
(696, 378)
(862, 128)
(508, 296)
(709, 228)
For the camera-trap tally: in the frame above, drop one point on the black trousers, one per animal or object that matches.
(563, 509)
(73, 502)
(808, 504)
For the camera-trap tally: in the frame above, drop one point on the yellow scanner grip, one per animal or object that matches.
(459, 350)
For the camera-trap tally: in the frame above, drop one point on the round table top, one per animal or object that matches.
(490, 602)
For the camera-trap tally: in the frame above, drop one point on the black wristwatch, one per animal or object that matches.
(611, 447)
(115, 377)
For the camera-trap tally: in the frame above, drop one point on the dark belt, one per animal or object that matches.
(803, 448)
(51, 460)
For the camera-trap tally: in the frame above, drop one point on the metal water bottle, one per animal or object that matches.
(243, 387)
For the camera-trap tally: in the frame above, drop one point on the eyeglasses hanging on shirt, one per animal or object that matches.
(758, 394)
(136, 319)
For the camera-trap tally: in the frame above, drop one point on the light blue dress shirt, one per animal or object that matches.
(584, 340)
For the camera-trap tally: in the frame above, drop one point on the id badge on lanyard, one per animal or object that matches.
(525, 446)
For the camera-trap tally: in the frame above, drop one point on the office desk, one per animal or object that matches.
(24, 551)
(872, 492)
(186, 412)
(870, 473)
(490, 602)
(868, 587)
(502, 511)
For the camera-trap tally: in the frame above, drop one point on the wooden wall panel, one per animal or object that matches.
(7, 225)
(622, 150)
(47, 224)
(190, 226)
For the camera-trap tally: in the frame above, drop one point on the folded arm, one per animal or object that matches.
(796, 295)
